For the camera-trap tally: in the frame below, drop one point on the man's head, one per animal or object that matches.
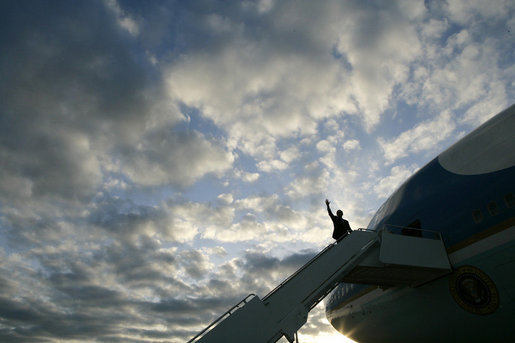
(339, 213)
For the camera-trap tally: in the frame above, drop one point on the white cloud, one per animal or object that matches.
(265, 5)
(249, 228)
(203, 219)
(398, 174)
(245, 176)
(268, 166)
(422, 137)
(464, 11)
(463, 71)
(285, 158)
(180, 229)
(289, 155)
(313, 182)
(252, 99)
(179, 158)
(258, 203)
(254, 90)
(379, 45)
(173, 221)
(227, 198)
(267, 219)
(124, 20)
(216, 251)
(434, 28)
(484, 110)
(351, 144)
(325, 146)
(272, 208)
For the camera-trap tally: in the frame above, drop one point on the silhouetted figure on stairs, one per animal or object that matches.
(341, 226)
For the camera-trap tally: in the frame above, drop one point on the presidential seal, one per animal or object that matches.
(473, 290)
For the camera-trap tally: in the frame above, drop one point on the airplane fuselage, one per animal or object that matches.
(467, 194)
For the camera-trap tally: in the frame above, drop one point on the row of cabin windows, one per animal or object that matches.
(493, 209)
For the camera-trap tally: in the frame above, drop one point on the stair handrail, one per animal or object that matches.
(229, 312)
(299, 270)
(351, 260)
(309, 263)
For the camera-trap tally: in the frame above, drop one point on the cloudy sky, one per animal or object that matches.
(160, 160)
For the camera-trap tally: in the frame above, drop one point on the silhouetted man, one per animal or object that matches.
(341, 226)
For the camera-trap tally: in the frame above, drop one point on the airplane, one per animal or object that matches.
(436, 262)
(466, 195)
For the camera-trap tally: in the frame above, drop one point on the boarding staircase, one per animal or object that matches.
(392, 256)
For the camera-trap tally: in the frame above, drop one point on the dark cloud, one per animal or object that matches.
(78, 97)
(263, 272)
(82, 105)
(122, 217)
(91, 294)
(177, 158)
(195, 264)
(68, 75)
(78, 295)
(32, 318)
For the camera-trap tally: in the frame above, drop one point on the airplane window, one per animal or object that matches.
(509, 200)
(492, 208)
(477, 215)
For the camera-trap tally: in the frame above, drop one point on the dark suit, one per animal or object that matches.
(341, 226)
